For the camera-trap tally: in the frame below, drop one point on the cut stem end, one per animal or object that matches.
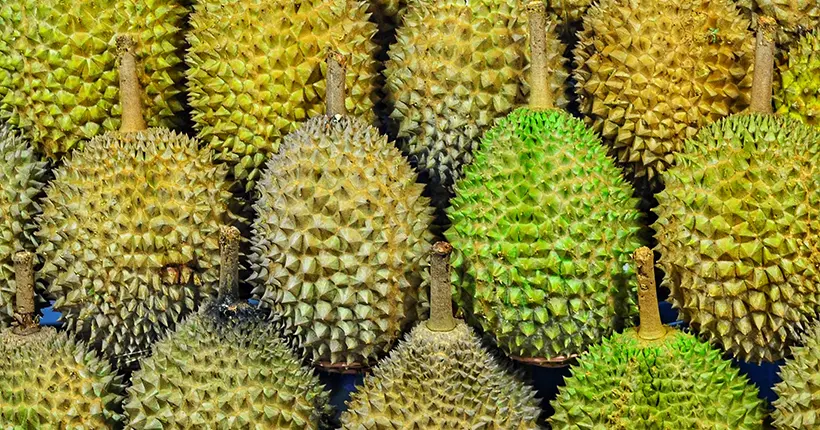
(130, 92)
(441, 296)
(541, 97)
(24, 279)
(335, 95)
(651, 327)
(229, 237)
(764, 66)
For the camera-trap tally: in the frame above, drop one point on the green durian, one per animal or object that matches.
(341, 236)
(650, 73)
(127, 231)
(225, 367)
(456, 67)
(441, 377)
(737, 229)
(22, 178)
(798, 92)
(545, 225)
(257, 71)
(60, 83)
(49, 381)
(655, 377)
(796, 407)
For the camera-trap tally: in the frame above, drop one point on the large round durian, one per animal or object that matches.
(798, 93)
(257, 71)
(545, 225)
(340, 239)
(50, 381)
(221, 369)
(737, 232)
(455, 68)
(677, 383)
(655, 377)
(22, 177)
(441, 380)
(650, 73)
(128, 237)
(65, 90)
(797, 406)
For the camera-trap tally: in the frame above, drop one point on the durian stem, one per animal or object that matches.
(441, 296)
(24, 278)
(651, 327)
(130, 93)
(540, 93)
(229, 263)
(764, 66)
(335, 95)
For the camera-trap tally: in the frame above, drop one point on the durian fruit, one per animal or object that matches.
(225, 367)
(10, 60)
(456, 67)
(545, 225)
(737, 227)
(22, 177)
(126, 230)
(341, 236)
(47, 379)
(569, 10)
(650, 73)
(655, 377)
(793, 16)
(441, 377)
(798, 94)
(796, 406)
(257, 71)
(65, 90)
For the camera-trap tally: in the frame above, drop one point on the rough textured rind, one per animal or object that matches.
(219, 372)
(441, 380)
(257, 71)
(48, 381)
(129, 237)
(737, 232)
(341, 239)
(676, 383)
(797, 406)
(793, 16)
(569, 10)
(22, 177)
(798, 92)
(64, 87)
(650, 73)
(546, 227)
(455, 68)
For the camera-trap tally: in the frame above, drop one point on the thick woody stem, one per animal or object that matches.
(651, 327)
(24, 277)
(764, 66)
(229, 263)
(335, 95)
(441, 296)
(540, 92)
(130, 93)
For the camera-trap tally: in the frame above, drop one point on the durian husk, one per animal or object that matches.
(796, 407)
(544, 225)
(257, 72)
(455, 68)
(22, 179)
(651, 73)
(737, 233)
(128, 237)
(225, 367)
(798, 90)
(60, 81)
(442, 380)
(793, 16)
(50, 381)
(340, 241)
(679, 382)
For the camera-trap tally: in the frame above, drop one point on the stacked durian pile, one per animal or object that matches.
(273, 230)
